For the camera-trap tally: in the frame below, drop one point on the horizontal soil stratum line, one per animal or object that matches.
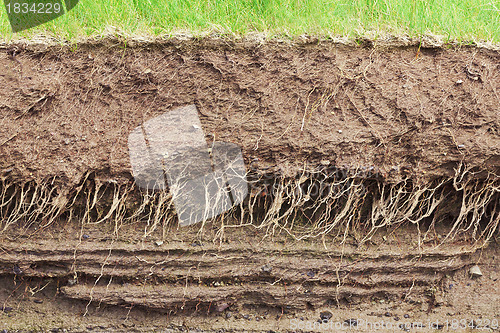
(373, 176)
(94, 280)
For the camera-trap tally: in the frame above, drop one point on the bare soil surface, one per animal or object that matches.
(412, 119)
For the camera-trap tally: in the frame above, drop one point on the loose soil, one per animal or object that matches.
(417, 122)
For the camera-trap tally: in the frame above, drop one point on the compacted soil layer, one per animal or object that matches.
(403, 113)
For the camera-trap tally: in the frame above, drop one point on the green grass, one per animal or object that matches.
(461, 20)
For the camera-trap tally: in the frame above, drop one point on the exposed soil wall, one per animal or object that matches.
(406, 138)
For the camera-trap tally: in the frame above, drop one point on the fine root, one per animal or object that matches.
(314, 203)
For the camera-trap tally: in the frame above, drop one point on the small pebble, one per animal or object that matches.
(388, 314)
(38, 301)
(351, 322)
(460, 81)
(461, 146)
(437, 326)
(475, 271)
(85, 236)
(266, 268)
(406, 315)
(404, 327)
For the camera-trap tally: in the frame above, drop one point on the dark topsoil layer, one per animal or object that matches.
(405, 111)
